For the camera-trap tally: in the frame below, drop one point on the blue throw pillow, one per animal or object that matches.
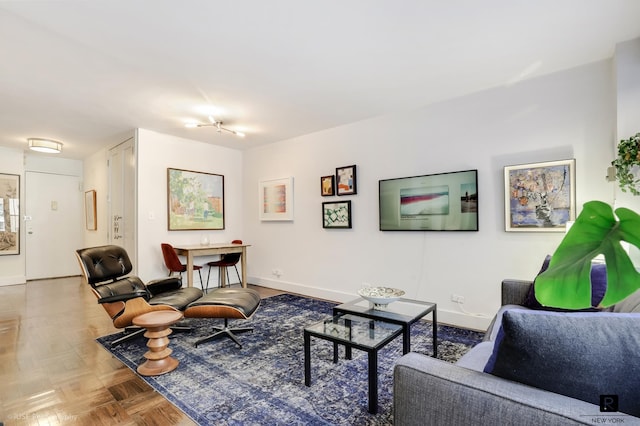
(598, 288)
(581, 354)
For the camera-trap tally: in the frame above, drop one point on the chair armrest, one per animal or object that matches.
(121, 290)
(163, 285)
(514, 292)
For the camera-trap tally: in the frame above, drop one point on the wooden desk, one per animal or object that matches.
(223, 248)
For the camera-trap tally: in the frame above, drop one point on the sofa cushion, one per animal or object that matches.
(598, 288)
(477, 357)
(581, 355)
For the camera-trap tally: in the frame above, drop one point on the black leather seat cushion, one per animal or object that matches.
(178, 299)
(225, 303)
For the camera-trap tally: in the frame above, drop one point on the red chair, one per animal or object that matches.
(226, 260)
(173, 264)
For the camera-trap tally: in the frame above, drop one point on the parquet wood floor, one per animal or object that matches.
(52, 372)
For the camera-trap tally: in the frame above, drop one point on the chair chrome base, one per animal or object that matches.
(130, 334)
(225, 331)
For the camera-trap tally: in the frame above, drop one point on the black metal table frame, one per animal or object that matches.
(395, 319)
(372, 355)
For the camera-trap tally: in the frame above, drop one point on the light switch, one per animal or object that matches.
(54, 205)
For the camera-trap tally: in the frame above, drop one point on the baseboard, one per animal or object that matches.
(18, 279)
(457, 319)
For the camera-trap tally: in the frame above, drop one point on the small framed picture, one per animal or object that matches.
(327, 185)
(346, 183)
(276, 199)
(336, 214)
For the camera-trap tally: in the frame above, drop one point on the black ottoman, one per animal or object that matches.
(226, 303)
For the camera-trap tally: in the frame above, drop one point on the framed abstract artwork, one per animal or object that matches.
(276, 199)
(346, 182)
(327, 186)
(195, 200)
(9, 214)
(540, 197)
(336, 214)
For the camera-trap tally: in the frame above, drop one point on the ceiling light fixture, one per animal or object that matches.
(45, 145)
(217, 124)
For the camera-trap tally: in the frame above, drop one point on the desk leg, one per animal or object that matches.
(223, 276)
(243, 258)
(190, 269)
(307, 359)
(373, 381)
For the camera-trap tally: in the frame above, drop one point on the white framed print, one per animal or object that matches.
(276, 199)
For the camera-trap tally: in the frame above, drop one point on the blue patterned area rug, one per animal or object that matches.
(218, 383)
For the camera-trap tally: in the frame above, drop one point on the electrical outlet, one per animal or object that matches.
(457, 298)
(277, 272)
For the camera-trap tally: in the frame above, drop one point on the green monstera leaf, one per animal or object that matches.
(567, 281)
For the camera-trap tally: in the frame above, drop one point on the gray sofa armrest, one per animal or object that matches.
(514, 292)
(428, 391)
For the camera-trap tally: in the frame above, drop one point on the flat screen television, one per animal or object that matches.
(436, 202)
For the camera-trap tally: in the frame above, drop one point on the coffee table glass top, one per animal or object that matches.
(352, 329)
(400, 310)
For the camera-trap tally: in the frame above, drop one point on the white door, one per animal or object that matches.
(122, 197)
(54, 222)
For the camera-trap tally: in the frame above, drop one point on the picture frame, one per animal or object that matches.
(276, 199)
(431, 202)
(195, 200)
(9, 214)
(336, 214)
(540, 197)
(346, 180)
(327, 185)
(90, 210)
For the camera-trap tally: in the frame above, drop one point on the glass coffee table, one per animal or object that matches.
(357, 332)
(403, 312)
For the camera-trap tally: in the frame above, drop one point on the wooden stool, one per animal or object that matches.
(158, 356)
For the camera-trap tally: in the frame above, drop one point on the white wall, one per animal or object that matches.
(157, 152)
(564, 115)
(96, 178)
(627, 66)
(12, 267)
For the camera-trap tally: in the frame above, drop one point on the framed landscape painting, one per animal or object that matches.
(540, 197)
(9, 214)
(195, 200)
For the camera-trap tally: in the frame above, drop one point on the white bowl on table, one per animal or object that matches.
(380, 296)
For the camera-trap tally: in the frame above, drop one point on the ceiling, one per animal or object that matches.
(86, 72)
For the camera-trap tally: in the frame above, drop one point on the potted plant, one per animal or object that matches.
(628, 164)
(567, 282)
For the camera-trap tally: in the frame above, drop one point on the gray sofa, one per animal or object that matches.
(429, 391)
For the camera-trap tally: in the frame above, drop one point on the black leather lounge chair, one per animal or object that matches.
(124, 296)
